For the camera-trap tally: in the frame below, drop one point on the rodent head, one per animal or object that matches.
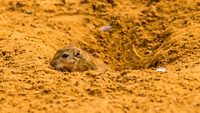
(66, 58)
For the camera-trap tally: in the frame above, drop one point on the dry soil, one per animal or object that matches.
(145, 35)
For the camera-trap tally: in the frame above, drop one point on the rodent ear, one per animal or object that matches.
(77, 53)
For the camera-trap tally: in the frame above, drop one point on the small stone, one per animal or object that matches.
(106, 28)
(161, 70)
(28, 11)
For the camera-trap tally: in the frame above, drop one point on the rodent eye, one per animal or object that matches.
(65, 55)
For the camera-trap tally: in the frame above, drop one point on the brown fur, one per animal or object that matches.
(71, 59)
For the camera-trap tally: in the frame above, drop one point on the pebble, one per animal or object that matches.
(28, 11)
(106, 28)
(161, 70)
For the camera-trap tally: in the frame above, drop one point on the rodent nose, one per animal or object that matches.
(53, 63)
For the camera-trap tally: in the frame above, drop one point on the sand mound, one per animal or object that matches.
(144, 35)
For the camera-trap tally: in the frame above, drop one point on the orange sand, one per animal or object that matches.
(145, 35)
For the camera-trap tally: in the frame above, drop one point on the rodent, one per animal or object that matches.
(73, 59)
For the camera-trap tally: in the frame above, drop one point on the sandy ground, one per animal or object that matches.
(145, 35)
